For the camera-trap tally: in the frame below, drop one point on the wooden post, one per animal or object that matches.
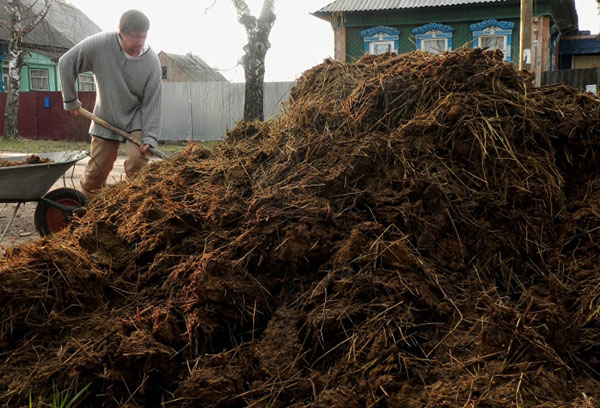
(525, 37)
(340, 35)
(340, 44)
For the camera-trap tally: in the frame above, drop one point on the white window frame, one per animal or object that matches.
(373, 45)
(87, 83)
(39, 78)
(504, 40)
(425, 40)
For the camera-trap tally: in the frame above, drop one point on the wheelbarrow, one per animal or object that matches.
(30, 182)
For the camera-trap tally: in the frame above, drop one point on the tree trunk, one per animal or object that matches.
(258, 31)
(16, 61)
(11, 114)
(254, 70)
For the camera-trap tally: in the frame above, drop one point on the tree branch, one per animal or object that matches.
(268, 11)
(267, 17)
(40, 17)
(209, 7)
(244, 16)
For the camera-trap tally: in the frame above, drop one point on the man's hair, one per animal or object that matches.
(133, 20)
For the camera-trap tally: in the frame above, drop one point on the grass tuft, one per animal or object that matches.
(61, 399)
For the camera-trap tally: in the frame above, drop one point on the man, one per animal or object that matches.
(128, 95)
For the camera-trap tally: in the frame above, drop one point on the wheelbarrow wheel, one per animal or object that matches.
(50, 219)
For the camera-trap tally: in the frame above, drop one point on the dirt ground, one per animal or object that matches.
(22, 229)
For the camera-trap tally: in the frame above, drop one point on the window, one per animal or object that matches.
(38, 79)
(164, 72)
(493, 42)
(379, 40)
(434, 46)
(433, 37)
(381, 47)
(494, 35)
(86, 82)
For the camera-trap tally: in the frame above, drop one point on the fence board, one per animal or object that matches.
(38, 120)
(276, 94)
(176, 116)
(191, 111)
(212, 108)
(577, 78)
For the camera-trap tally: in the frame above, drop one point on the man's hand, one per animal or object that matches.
(145, 149)
(75, 112)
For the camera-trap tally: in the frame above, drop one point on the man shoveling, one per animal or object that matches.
(128, 95)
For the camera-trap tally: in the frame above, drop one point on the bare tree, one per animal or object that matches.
(257, 30)
(20, 23)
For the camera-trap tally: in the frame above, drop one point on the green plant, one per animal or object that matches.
(61, 399)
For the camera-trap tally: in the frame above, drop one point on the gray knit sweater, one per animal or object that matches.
(128, 90)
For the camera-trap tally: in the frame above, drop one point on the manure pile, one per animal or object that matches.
(412, 231)
(31, 159)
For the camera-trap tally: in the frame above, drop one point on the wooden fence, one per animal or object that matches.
(41, 116)
(206, 110)
(584, 78)
(191, 111)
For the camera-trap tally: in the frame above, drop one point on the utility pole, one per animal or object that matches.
(525, 37)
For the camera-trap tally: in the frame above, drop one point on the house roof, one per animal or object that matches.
(580, 46)
(378, 5)
(71, 22)
(195, 67)
(564, 8)
(579, 43)
(64, 26)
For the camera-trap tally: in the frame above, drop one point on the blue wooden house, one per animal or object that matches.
(579, 50)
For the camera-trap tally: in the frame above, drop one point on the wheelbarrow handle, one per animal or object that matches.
(103, 123)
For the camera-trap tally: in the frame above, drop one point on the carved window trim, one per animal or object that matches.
(433, 31)
(380, 35)
(488, 28)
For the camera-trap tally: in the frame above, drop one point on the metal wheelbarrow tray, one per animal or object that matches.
(31, 182)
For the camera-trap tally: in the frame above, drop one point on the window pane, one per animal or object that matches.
(493, 42)
(86, 83)
(380, 48)
(433, 45)
(38, 79)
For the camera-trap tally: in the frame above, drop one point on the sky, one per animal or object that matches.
(210, 30)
